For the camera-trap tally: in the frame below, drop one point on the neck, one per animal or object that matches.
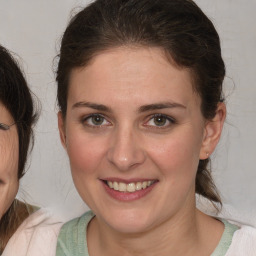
(182, 234)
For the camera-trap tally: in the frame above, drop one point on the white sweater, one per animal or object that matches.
(37, 236)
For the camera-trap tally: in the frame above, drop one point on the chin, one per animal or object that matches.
(128, 221)
(129, 227)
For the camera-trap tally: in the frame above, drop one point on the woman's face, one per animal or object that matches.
(134, 134)
(9, 156)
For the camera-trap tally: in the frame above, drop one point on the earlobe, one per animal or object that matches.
(62, 132)
(212, 132)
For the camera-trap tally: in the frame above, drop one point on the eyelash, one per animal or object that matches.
(171, 120)
(85, 119)
(2, 127)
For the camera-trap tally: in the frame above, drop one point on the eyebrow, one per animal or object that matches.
(144, 108)
(95, 106)
(164, 105)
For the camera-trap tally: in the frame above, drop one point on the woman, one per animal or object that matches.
(16, 120)
(141, 111)
(17, 116)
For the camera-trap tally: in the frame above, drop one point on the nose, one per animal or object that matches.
(126, 149)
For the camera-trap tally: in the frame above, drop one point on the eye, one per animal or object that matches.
(160, 120)
(3, 127)
(95, 120)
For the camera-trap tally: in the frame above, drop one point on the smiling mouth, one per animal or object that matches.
(130, 187)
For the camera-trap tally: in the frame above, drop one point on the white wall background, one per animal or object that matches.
(33, 29)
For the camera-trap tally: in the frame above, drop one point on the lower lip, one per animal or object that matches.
(128, 196)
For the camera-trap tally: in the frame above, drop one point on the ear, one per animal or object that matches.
(62, 131)
(212, 132)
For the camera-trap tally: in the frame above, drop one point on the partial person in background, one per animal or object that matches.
(17, 117)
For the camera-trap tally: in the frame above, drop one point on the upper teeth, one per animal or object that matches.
(130, 187)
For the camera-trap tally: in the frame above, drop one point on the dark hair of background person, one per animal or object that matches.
(179, 27)
(16, 97)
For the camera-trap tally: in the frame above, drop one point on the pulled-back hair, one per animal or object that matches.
(179, 27)
(16, 97)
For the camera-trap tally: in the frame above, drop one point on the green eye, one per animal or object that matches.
(97, 120)
(160, 120)
(4, 127)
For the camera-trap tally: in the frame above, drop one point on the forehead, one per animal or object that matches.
(145, 74)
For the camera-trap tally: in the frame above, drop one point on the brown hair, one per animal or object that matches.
(16, 97)
(177, 26)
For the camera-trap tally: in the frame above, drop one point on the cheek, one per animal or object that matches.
(8, 193)
(9, 157)
(85, 153)
(85, 156)
(8, 173)
(177, 156)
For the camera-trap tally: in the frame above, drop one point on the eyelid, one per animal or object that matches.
(171, 119)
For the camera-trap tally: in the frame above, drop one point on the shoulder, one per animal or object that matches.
(36, 236)
(71, 238)
(75, 226)
(243, 242)
(244, 239)
(76, 222)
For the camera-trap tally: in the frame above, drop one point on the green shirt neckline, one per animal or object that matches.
(72, 239)
(226, 238)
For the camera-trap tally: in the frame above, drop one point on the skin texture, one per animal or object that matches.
(130, 145)
(9, 153)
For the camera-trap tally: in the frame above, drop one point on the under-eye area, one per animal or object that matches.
(129, 187)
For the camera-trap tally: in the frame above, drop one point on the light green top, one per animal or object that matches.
(72, 238)
(226, 239)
